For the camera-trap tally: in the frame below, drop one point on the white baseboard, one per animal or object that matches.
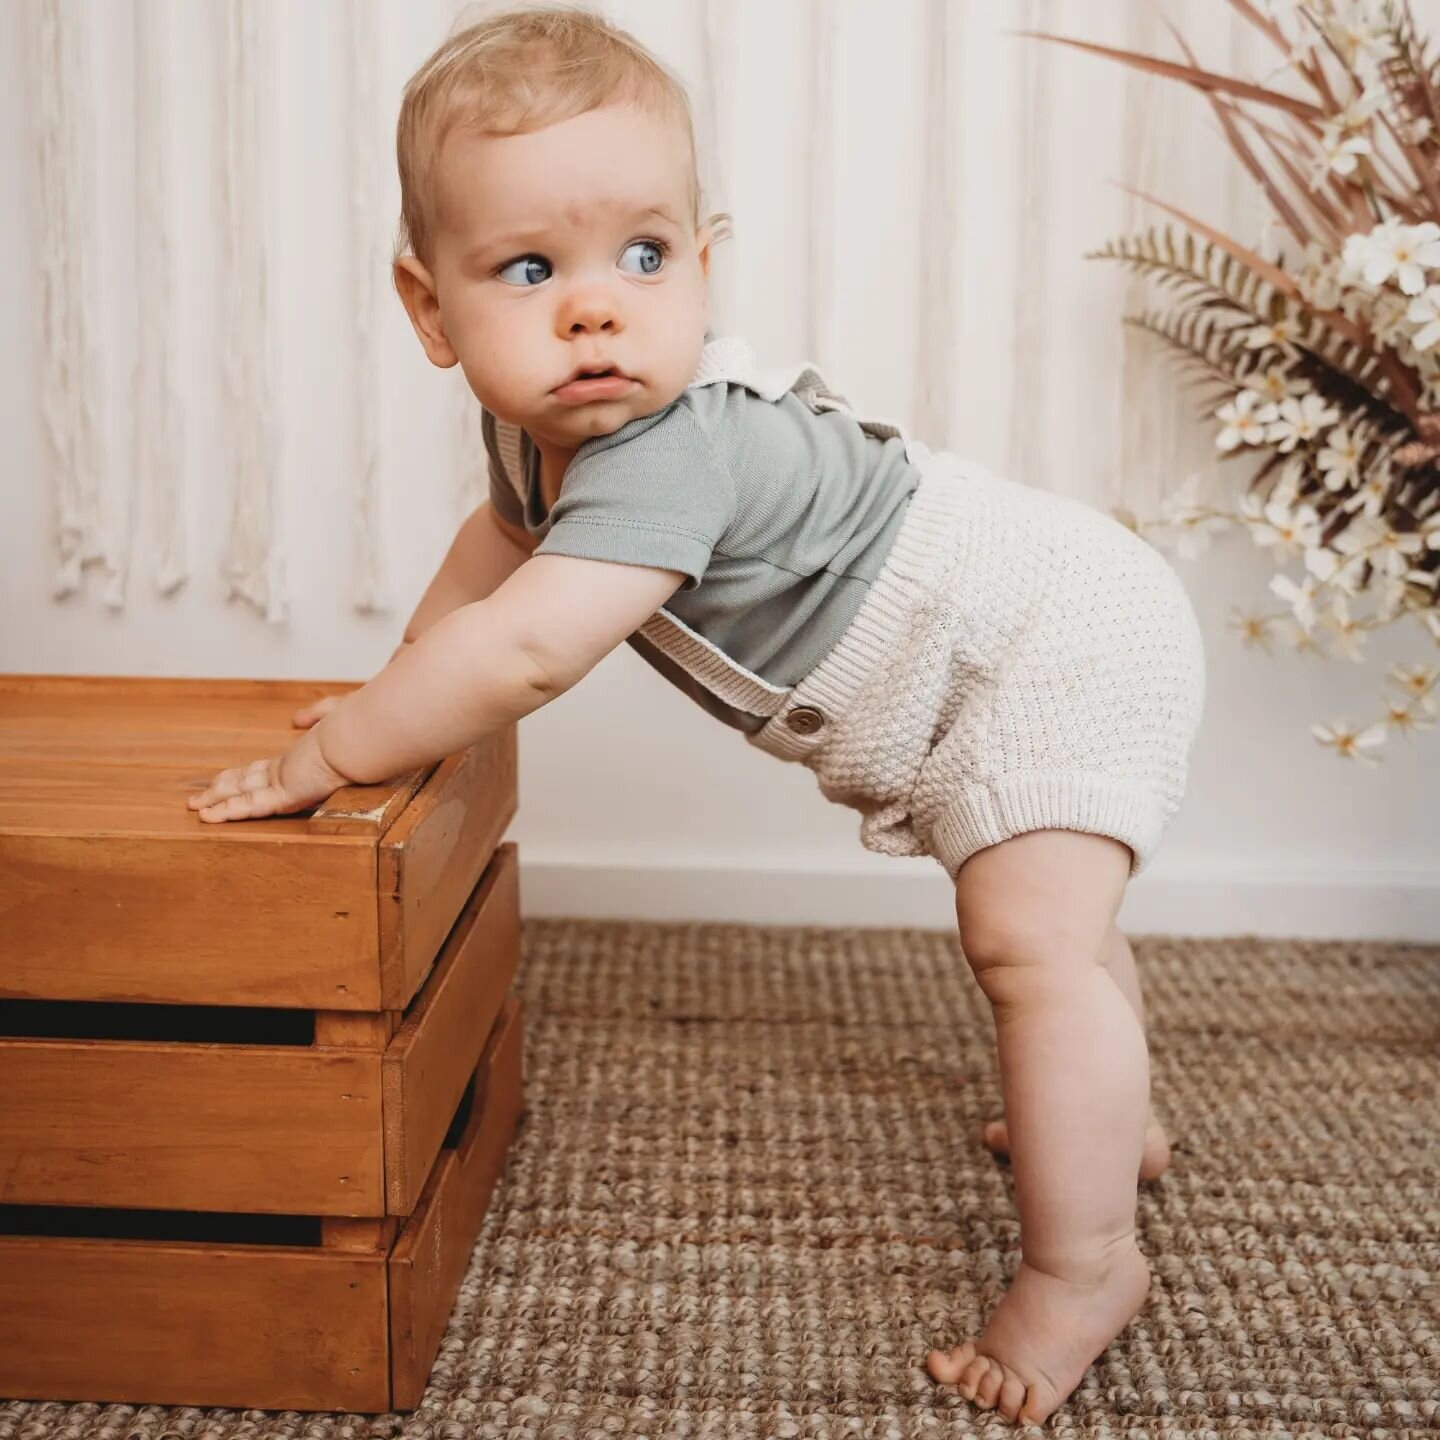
(1393, 903)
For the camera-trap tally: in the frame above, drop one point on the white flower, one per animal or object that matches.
(1393, 249)
(1281, 334)
(1393, 599)
(1339, 461)
(1419, 681)
(1301, 597)
(1402, 717)
(1394, 551)
(1297, 637)
(1193, 538)
(1387, 318)
(1359, 537)
(1285, 527)
(1361, 110)
(1350, 744)
(1339, 153)
(1253, 629)
(1300, 420)
(1319, 278)
(1424, 311)
(1243, 423)
(1370, 496)
(1349, 633)
(1276, 385)
(1358, 31)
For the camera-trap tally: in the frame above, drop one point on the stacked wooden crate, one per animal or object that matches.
(257, 1080)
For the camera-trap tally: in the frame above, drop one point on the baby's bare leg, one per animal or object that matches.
(1119, 960)
(1034, 914)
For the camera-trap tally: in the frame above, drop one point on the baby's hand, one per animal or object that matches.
(297, 780)
(307, 715)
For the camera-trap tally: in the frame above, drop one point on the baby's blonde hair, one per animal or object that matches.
(519, 70)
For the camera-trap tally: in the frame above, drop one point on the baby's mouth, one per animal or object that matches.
(605, 384)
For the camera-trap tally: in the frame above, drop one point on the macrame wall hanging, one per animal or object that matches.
(253, 565)
(1034, 225)
(159, 434)
(366, 150)
(819, 319)
(71, 379)
(937, 318)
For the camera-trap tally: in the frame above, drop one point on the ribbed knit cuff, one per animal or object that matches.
(1058, 800)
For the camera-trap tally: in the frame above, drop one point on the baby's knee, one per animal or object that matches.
(1015, 958)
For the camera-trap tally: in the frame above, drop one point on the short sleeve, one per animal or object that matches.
(649, 494)
(503, 499)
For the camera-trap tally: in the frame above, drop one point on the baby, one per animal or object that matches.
(993, 675)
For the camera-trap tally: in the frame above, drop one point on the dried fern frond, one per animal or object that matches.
(1193, 268)
(1410, 78)
(1198, 344)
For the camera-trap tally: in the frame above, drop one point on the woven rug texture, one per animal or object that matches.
(747, 1198)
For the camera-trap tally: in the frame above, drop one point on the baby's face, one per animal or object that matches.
(565, 248)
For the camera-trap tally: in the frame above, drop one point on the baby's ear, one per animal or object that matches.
(417, 293)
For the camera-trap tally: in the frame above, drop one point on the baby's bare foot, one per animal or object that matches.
(1043, 1336)
(1154, 1159)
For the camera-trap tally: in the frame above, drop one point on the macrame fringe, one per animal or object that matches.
(157, 397)
(370, 265)
(253, 566)
(63, 127)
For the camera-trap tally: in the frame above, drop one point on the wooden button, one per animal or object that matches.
(805, 720)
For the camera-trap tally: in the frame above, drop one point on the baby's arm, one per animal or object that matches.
(483, 555)
(473, 671)
(485, 552)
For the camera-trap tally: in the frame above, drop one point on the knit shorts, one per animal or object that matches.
(1022, 662)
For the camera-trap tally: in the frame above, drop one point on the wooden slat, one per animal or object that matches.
(258, 921)
(367, 809)
(245, 1327)
(435, 1052)
(429, 1260)
(356, 1029)
(168, 690)
(432, 856)
(261, 1129)
(339, 1234)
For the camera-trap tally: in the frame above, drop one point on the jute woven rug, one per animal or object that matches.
(746, 1200)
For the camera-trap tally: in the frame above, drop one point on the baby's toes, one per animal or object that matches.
(988, 1391)
(1012, 1396)
(947, 1366)
(974, 1376)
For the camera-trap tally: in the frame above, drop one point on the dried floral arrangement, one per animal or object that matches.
(1321, 359)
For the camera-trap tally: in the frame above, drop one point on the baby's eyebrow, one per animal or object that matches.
(539, 233)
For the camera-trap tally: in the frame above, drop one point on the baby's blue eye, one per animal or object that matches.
(657, 247)
(527, 261)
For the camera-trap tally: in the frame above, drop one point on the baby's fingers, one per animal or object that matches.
(224, 785)
(231, 791)
(252, 805)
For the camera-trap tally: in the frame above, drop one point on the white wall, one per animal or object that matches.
(632, 800)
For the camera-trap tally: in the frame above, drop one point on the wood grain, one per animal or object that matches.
(115, 890)
(435, 1053)
(262, 1129)
(253, 921)
(247, 1327)
(432, 856)
(429, 1260)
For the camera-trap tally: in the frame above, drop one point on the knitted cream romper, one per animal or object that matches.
(1021, 662)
